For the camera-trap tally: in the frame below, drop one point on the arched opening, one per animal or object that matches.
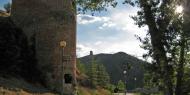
(68, 78)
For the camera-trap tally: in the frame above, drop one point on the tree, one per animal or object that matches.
(97, 74)
(103, 76)
(158, 36)
(92, 72)
(81, 67)
(94, 5)
(164, 29)
(7, 7)
(186, 80)
(183, 49)
(121, 85)
(111, 87)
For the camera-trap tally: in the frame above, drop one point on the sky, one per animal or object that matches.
(2, 2)
(109, 31)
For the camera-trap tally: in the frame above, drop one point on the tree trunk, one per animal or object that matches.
(180, 67)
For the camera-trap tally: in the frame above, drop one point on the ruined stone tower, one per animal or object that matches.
(46, 23)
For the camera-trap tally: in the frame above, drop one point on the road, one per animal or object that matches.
(129, 94)
(123, 94)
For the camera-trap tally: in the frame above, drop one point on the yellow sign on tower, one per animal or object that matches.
(63, 44)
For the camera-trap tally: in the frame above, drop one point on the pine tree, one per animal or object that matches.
(103, 76)
(97, 74)
(92, 72)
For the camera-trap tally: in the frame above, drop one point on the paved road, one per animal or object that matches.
(123, 94)
(129, 94)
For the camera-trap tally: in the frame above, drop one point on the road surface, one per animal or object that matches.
(123, 94)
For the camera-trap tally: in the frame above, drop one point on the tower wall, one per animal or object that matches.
(46, 23)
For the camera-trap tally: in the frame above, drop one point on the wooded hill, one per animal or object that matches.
(114, 66)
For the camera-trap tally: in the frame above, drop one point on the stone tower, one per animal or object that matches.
(46, 23)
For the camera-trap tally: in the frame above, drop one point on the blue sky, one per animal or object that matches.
(107, 32)
(2, 2)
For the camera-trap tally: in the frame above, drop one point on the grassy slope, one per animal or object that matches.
(4, 91)
(18, 86)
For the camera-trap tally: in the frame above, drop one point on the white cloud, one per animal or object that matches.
(105, 22)
(107, 25)
(124, 22)
(83, 50)
(100, 27)
(98, 43)
(88, 19)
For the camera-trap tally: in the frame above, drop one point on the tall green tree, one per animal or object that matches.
(164, 27)
(92, 72)
(186, 79)
(184, 48)
(98, 74)
(103, 76)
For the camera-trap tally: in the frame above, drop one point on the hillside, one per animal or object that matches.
(114, 66)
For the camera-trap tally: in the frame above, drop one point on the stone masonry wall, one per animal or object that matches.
(49, 22)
